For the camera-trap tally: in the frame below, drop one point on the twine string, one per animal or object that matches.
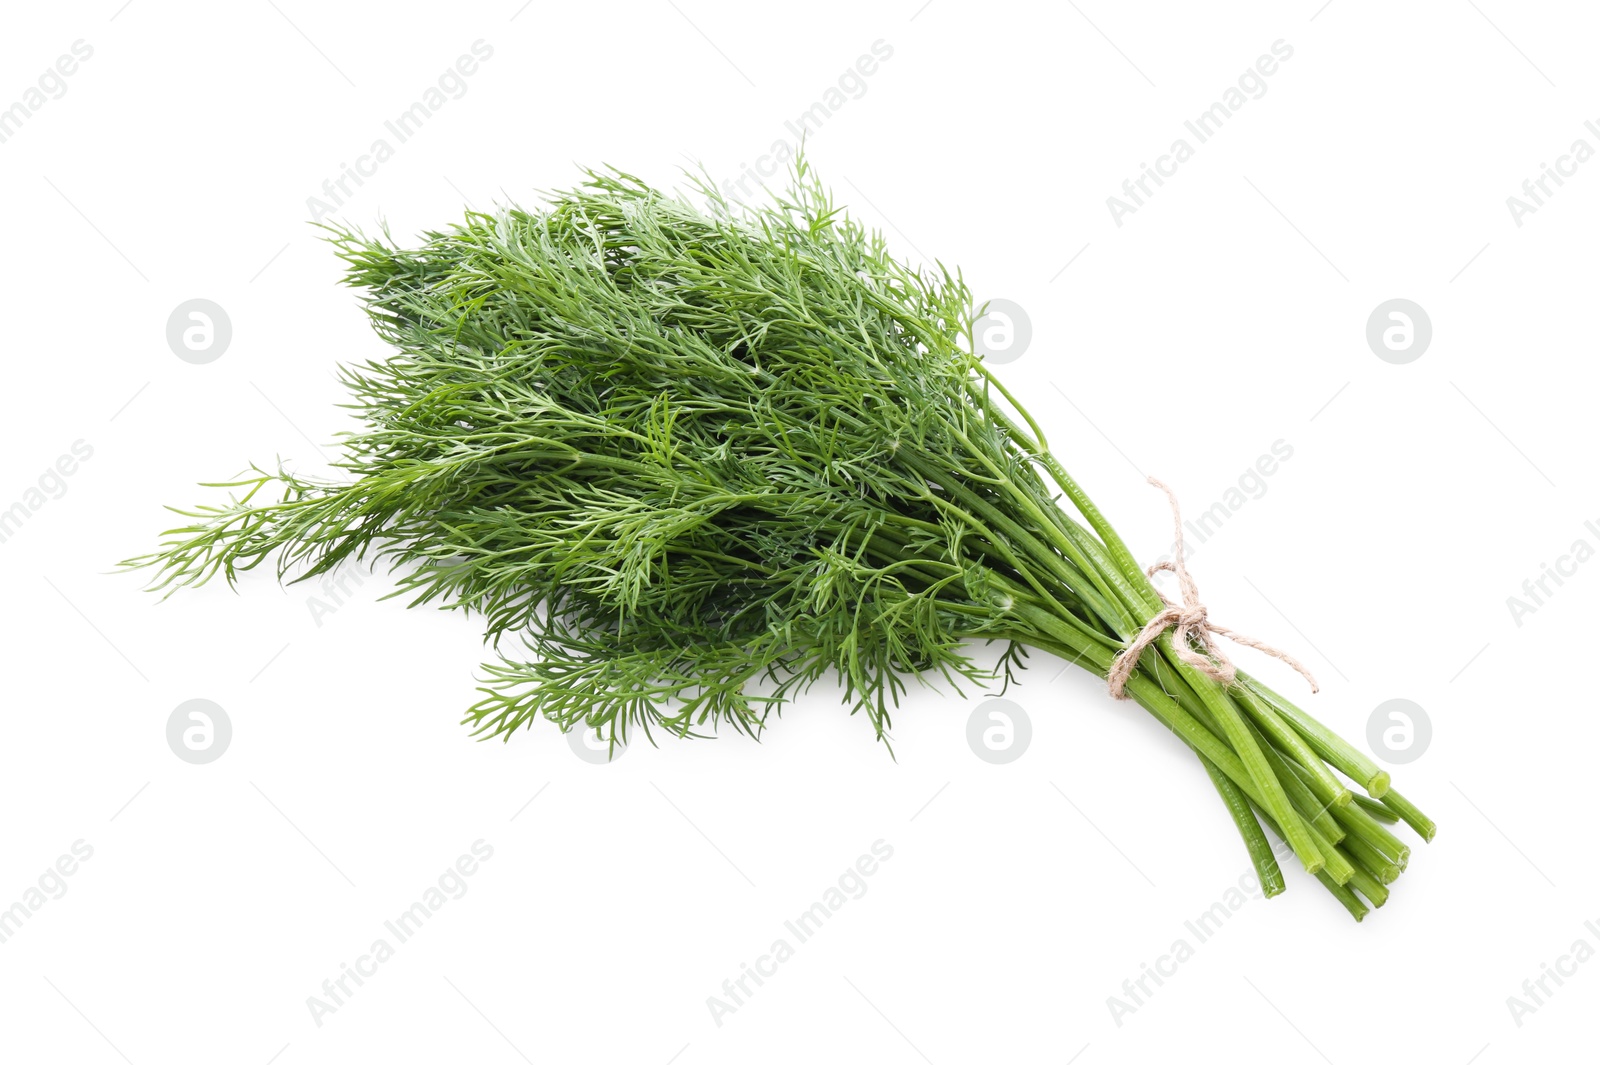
(1192, 630)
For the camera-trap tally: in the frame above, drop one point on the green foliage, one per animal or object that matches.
(693, 459)
(684, 460)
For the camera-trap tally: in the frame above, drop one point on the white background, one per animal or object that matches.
(1229, 312)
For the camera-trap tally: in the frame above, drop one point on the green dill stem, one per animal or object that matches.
(1105, 581)
(1244, 745)
(1037, 550)
(1056, 600)
(1124, 572)
(1407, 812)
(1213, 752)
(1379, 811)
(1268, 874)
(1368, 857)
(1337, 865)
(1301, 796)
(1331, 747)
(1137, 602)
(1145, 691)
(1305, 805)
(1210, 693)
(1255, 841)
(1318, 739)
(1234, 730)
(1338, 870)
(1129, 566)
(1346, 897)
(1328, 881)
(1360, 823)
(1364, 882)
(1154, 698)
(1320, 778)
(1137, 591)
(1001, 545)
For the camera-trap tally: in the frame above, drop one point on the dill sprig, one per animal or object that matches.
(684, 459)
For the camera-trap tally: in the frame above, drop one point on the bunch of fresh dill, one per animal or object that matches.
(696, 457)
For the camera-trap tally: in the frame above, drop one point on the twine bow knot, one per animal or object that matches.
(1191, 628)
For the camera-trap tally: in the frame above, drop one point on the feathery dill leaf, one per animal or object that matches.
(685, 459)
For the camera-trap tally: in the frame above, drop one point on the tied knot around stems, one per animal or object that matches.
(1191, 627)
